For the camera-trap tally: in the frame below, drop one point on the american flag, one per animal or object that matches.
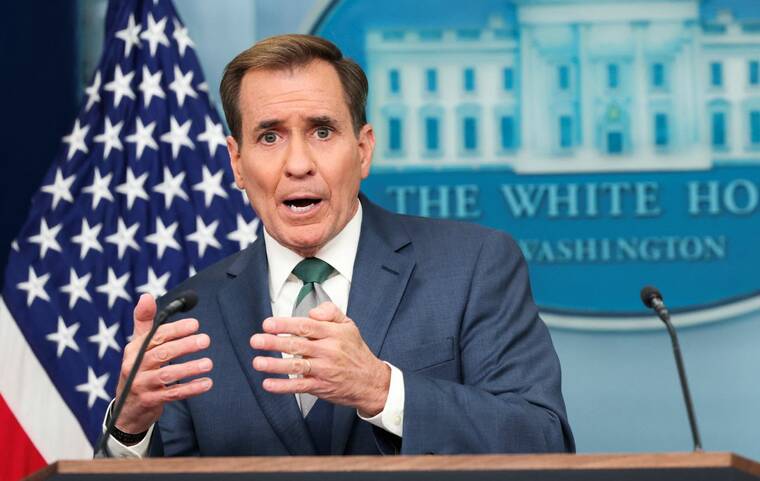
(139, 196)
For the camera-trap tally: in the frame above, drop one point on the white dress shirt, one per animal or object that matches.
(340, 253)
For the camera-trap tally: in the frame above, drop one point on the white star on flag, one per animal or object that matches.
(204, 235)
(171, 187)
(151, 85)
(60, 189)
(47, 238)
(105, 338)
(133, 188)
(95, 387)
(182, 85)
(130, 35)
(76, 139)
(143, 137)
(77, 287)
(156, 286)
(124, 237)
(88, 238)
(213, 136)
(34, 287)
(154, 34)
(120, 86)
(245, 232)
(163, 238)
(114, 288)
(211, 185)
(110, 137)
(177, 136)
(93, 92)
(182, 38)
(64, 336)
(99, 189)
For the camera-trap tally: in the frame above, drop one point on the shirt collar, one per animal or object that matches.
(339, 252)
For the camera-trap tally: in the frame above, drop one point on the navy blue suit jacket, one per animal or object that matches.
(447, 303)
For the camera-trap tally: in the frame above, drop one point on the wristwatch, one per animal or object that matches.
(127, 439)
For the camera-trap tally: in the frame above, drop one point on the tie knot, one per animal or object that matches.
(312, 270)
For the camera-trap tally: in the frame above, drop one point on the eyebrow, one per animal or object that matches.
(268, 124)
(320, 120)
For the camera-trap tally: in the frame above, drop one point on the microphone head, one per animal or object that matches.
(649, 294)
(189, 299)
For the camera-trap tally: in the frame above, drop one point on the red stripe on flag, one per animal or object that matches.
(21, 457)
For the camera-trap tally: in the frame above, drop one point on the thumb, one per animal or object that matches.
(144, 312)
(327, 311)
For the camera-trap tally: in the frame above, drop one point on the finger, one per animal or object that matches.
(144, 312)
(275, 365)
(171, 350)
(298, 326)
(174, 330)
(327, 311)
(297, 346)
(177, 372)
(289, 386)
(179, 391)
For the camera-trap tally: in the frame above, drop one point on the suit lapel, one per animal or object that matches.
(245, 303)
(378, 268)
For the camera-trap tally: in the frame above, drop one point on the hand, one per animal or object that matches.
(151, 389)
(336, 363)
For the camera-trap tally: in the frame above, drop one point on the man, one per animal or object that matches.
(344, 329)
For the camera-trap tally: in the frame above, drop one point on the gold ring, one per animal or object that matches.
(307, 363)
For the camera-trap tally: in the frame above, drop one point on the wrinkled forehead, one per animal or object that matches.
(298, 92)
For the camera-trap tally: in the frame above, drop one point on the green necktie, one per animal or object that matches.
(310, 271)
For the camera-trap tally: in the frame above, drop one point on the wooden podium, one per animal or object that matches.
(562, 467)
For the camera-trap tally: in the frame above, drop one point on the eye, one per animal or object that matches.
(322, 133)
(268, 138)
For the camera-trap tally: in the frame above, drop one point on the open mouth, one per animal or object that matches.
(301, 205)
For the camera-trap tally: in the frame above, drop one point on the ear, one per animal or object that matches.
(366, 148)
(234, 151)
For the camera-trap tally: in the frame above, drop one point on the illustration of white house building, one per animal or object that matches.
(571, 85)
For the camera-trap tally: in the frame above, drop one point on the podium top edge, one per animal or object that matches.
(538, 462)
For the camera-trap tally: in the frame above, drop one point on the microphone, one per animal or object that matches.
(185, 301)
(652, 298)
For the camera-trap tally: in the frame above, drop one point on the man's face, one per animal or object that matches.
(300, 161)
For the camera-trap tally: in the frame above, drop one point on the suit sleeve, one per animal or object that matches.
(509, 399)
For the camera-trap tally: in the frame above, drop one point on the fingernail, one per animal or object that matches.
(259, 363)
(202, 341)
(256, 341)
(205, 364)
(206, 384)
(268, 324)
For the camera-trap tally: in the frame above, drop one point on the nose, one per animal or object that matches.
(299, 160)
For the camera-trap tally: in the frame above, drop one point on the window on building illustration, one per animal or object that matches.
(718, 129)
(469, 79)
(394, 134)
(612, 76)
(716, 74)
(565, 131)
(660, 130)
(432, 134)
(754, 127)
(470, 125)
(508, 78)
(507, 127)
(394, 81)
(614, 142)
(754, 72)
(563, 77)
(658, 75)
(431, 80)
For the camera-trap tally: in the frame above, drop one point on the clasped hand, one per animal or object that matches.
(335, 362)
